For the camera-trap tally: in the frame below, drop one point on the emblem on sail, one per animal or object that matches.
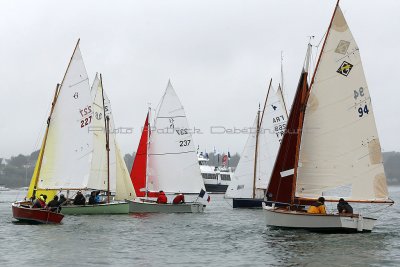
(342, 47)
(345, 68)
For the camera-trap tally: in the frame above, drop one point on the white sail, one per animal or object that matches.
(272, 127)
(98, 172)
(242, 182)
(173, 165)
(340, 146)
(68, 152)
(113, 143)
(124, 186)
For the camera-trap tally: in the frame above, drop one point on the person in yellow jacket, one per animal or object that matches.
(318, 207)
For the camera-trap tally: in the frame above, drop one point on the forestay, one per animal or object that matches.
(68, 153)
(340, 144)
(173, 165)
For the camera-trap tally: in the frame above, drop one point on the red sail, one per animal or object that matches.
(281, 186)
(138, 173)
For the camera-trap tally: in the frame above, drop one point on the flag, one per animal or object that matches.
(229, 155)
(204, 196)
(225, 160)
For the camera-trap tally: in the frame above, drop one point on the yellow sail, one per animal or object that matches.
(50, 193)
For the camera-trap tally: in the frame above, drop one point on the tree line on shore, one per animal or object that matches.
(17, 171)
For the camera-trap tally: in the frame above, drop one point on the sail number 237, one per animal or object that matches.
(184, 143)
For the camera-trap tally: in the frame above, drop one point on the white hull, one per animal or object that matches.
(317, 222)
(141, 206)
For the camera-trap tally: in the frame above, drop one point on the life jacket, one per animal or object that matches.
(179, 199)
(40, 202)
(317, 207)
(162, 198)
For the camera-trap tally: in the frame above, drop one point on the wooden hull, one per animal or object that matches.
(332, 223)
(25, 213)
(140, 206)
(249, 203)
(108, 208)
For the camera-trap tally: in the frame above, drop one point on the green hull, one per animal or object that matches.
(109, 208)
(146, 207)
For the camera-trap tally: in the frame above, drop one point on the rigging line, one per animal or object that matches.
(379, 210)
(86, 79)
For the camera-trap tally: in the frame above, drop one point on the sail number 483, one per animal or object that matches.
(184, 143)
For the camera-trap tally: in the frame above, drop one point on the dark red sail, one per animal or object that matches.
(281, 186)
(138, 172)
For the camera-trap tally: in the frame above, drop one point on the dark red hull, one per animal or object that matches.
(27, 214)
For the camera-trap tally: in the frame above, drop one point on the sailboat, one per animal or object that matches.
(250, 180)
(166, 160)
(331, 147)
(65, 162)
(108, 169)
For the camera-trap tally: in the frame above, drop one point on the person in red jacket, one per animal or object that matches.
(40, 202)
(179, 199)
(162, 198)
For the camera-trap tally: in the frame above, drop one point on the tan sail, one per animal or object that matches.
(340, 153)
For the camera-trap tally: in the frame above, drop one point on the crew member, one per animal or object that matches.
(40, 202)
(162, 198)
(79, 199)
(318, 207)
(53, 205)
(179, 199)
(344, 207)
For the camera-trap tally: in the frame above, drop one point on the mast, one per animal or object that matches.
(301, 117)
(323, 46)
(282, 71)
(147, 151)
(266, 99)
(300, 124)
(259, 121)
(107, 129)
(53, 103)
(256, 153)
(283, 100)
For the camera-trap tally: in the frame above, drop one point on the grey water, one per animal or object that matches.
(219, 237)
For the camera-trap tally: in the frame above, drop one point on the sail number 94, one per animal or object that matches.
(362, 111)
(184, 143)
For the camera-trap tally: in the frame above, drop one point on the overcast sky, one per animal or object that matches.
(219, 56)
